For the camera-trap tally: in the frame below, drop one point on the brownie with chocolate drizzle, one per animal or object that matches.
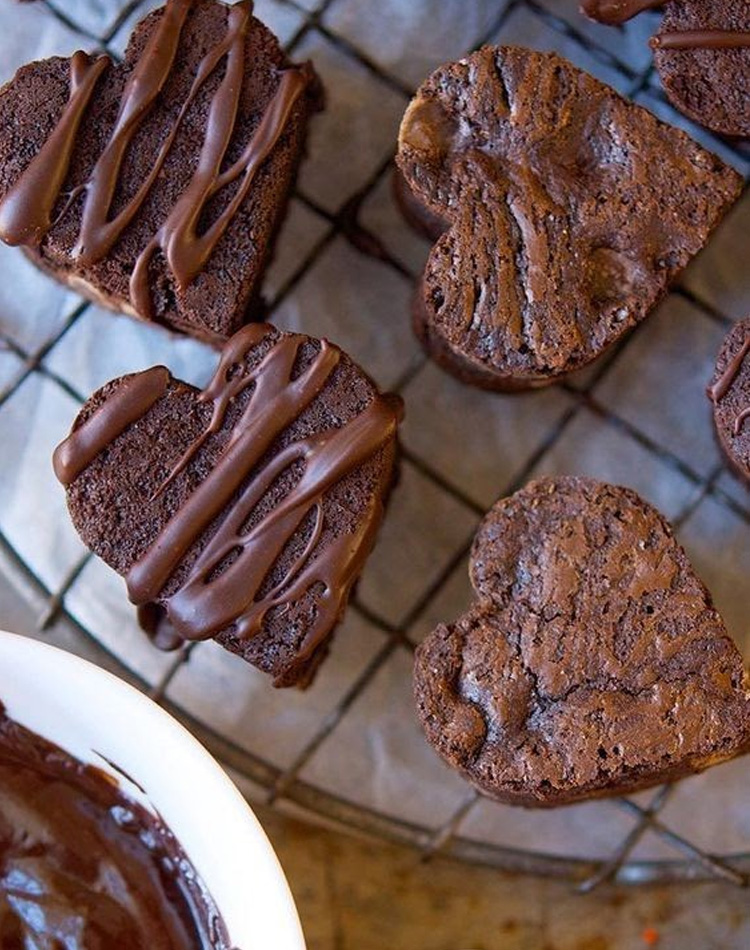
(245, 512)
(702, 53)
(156, 186)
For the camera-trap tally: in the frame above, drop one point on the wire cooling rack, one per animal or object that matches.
(349, 751)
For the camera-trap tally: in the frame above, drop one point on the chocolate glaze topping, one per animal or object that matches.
(26, 209)
(83, 867)
(209, 600)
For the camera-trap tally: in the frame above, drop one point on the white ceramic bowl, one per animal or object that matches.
(95, 716)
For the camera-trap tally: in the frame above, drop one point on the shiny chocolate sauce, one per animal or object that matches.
(83, 867)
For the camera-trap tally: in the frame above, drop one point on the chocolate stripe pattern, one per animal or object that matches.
(27, 208)
(219, 591)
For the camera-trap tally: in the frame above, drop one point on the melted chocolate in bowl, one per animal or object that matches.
(83, 867)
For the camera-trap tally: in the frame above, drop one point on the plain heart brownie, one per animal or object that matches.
(730, 394)
(244, 512)
(156, 186)
(702, 53)
(592, 661)
(569, 212)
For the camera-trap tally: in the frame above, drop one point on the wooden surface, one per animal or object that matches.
(359, 896)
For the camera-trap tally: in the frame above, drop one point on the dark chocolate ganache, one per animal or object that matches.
(83, 867)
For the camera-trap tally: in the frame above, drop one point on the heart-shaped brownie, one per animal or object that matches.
(730, 393)
(244, 512)
(592, 662)
(569, 211)
(156, 186)
(702, 52)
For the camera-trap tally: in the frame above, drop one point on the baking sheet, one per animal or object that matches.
(640, 418)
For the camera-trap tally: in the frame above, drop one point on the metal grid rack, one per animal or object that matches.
(307, 22)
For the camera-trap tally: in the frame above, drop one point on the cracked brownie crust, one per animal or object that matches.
(570, 211)
(592, 662)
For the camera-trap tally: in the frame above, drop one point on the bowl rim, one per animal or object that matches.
(53, 692)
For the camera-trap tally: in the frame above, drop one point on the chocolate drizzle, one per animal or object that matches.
(228, 585)
(128, 404)
(701, 39)
(724, 383)
(26, 210)
(740, 421)
(615, 12)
